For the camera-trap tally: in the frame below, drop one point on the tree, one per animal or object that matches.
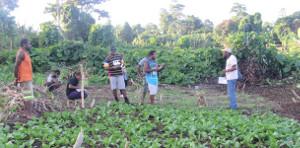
(7, 23)
(81, 9)
(9, 5)
(125, 34)
(208, 26)
(76, 24)
(49, 35)
(165, 20)
(102, 35)
(282, 12)
(7, 28)
(176, 11)
(138, 29)
(151, 29)
(239, 9)
(251, 23)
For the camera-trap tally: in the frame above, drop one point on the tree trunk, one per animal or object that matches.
(58, 20)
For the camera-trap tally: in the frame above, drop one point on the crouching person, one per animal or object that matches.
(73, 87)
(52, 81)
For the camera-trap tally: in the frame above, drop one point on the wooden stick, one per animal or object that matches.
(93, 103)
(295, 94)
(127, 144)
(161, 97)
(79, 140)
(294, 100)
(82, 86)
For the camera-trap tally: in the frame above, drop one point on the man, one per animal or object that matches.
(23, 75)
(74, 89)
(113, 64)
(151, 68)
(52, 81)
(142, 75)
(231, 75)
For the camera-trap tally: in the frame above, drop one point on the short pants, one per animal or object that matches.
(27, 89)
(153, 89)
(117, 83)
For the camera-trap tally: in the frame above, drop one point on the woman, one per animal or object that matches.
(73, 88)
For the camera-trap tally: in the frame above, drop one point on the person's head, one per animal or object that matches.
(113, 50)
(152, 54)
(25, 44)
(226, 52)
(57, 73)
(77, 74)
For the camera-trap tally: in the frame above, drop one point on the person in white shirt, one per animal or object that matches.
(52, 81)
(231, 72)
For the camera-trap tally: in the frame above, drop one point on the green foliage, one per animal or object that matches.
(9, 5)
(170, 127)
(102, 35)
(76, 24)
(184, 42)
(239, 9)
(40, 60)
(49, 35)
(251, 23)
(125, 34)
(68, 52)
(7, 29)
(251, 47)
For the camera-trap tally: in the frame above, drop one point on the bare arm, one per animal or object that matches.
(149, 70)
(74, 87)
(19, 59)
(111, 68)
(163, 67)
(138, 67)
(52, 82)
(233, 68)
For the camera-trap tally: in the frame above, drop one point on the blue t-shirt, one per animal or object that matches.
(151, 77)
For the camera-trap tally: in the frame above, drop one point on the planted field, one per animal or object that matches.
(148, 126)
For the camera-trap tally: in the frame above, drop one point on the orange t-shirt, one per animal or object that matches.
(25, 69)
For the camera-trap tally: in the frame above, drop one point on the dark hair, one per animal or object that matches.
(77, 73)
(151, 52)
(23, 42)
(57, 71)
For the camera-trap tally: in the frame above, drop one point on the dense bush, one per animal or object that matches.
(258, 62)
(185, 66)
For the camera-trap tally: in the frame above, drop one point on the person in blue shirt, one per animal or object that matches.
(151, 68)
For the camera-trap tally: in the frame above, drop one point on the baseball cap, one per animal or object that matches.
(227, 49)
(113, 48)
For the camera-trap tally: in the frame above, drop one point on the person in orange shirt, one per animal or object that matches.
(23, 75)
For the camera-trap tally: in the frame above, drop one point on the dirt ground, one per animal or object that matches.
(277, 99)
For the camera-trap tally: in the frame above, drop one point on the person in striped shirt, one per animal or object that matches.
(113, 64)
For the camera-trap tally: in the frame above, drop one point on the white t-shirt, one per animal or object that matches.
(50, 78)
(230, 62)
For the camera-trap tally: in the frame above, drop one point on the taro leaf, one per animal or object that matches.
(18, 135)
(66, 51)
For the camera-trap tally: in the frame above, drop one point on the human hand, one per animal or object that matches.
(114, 67)
(224, 70)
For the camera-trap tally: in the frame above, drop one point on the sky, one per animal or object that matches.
(31, 12)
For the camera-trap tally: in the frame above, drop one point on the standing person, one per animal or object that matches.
(151, 68)
(231, 75)
(142, 75)
(113, 64)
(52, 81)
(74, 89)
(23, 75)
